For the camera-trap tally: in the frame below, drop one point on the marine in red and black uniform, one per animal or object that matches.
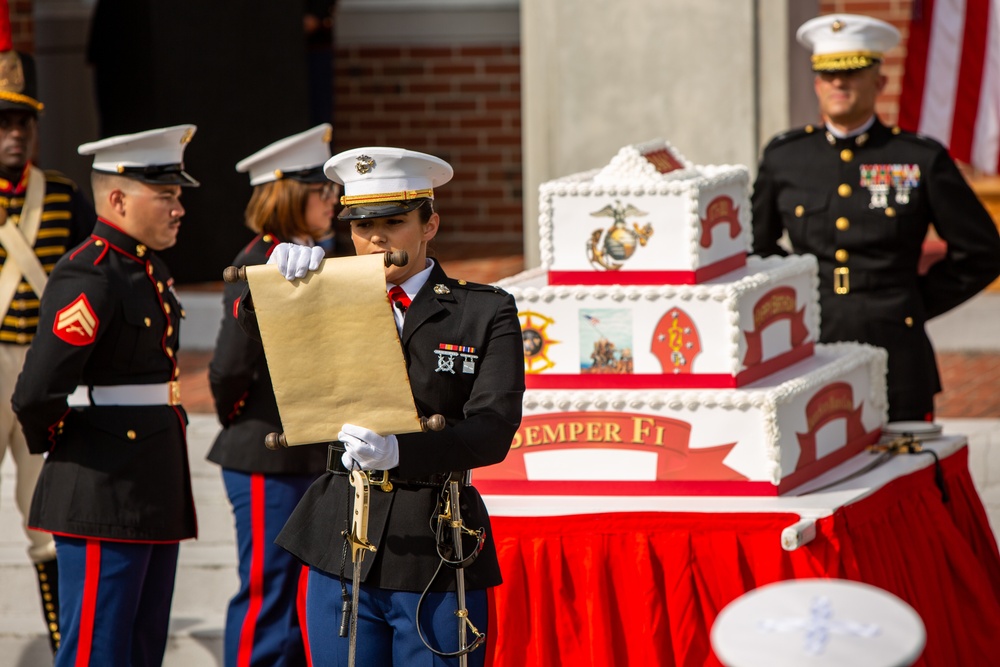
(42, 215)
(98, 395)
(860, 196)
(291, 198)
(464, 358)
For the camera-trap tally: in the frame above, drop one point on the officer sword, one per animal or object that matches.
(359, 544)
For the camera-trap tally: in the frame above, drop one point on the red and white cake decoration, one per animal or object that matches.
(660, 359)
(634, 223)
(726, 332)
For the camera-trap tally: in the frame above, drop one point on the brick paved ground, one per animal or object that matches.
(971, 379)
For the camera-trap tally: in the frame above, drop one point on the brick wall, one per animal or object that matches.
(896, 12)
(461, 103)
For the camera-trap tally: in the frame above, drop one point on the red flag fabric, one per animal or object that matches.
(951, 84)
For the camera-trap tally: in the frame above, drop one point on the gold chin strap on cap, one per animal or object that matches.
(382, 197)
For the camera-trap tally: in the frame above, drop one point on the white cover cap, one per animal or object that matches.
(818, 622)
(300, 156)
(846, 41)
(380, 180)
(153, 156)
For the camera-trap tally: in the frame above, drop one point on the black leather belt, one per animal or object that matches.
(386, 481)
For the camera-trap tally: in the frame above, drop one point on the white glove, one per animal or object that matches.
(367, 449)
(294, 260)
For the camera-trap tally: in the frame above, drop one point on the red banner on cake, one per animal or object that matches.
(778, 304)
(667, 438)
(721, 210)
(834, 401)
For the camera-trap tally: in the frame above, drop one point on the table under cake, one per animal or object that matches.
(639, 580)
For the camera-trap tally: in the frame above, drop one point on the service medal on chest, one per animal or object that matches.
(448, 355)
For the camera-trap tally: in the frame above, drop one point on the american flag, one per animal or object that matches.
(592, 319)
(951, 85)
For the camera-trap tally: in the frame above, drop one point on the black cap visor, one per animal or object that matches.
(311, 175)
(159, 174)
(381, 210)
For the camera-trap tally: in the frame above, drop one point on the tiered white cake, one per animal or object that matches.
(659, 359)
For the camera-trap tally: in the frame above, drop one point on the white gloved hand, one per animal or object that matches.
(367, 449)
(294, 260)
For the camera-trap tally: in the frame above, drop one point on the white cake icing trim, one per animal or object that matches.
(689, 183)
(630, 165)
(847, 357)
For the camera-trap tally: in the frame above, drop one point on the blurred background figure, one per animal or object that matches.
(292, 201)
(48, 216)
(860, 196)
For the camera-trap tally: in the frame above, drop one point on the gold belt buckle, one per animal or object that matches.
(175, 392)
(841, 280)
(380, 478)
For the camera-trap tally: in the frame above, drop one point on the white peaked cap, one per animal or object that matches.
(380, 180)
(818, 623)
(300, 156)
(153, 156)
(846, 41)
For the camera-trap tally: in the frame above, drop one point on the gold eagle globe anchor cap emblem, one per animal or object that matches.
(610, 248)
(365, 164)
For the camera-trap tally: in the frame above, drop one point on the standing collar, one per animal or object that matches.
(119, 240)
(861, 129)
(18, 187)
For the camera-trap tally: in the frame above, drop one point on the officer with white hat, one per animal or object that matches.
(292, 200)
(860, 196)
(818, 623)
(464, 357)
(842, 42)
(100, 395)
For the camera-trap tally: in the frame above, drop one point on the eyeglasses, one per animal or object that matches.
(326, 192)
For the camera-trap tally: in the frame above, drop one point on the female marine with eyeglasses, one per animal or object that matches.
(292, 201)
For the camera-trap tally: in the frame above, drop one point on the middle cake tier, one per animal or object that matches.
(725, 333)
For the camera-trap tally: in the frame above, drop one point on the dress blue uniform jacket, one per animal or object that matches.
(243, 395)
(826, 193)
(481, 402)
(112, 472)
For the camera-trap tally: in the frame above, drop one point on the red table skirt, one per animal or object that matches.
(644, 588)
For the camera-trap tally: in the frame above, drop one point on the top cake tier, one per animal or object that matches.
(648, 217)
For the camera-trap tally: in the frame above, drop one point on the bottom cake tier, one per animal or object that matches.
(764, 439)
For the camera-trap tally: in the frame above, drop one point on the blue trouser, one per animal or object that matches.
(262, 625)
(387, 631)
(114, 606)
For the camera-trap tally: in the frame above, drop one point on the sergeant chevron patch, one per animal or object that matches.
(77, 323)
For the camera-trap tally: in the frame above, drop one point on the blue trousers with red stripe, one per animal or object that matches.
(262, 626)
(387, 630)
(114, 602)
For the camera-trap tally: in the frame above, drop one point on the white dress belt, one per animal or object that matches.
(163, 393)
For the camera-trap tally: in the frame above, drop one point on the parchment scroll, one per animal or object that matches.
(332, 349)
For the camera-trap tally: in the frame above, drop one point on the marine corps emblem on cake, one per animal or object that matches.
(610, 248)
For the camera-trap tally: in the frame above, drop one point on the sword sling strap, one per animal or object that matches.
(18, 240)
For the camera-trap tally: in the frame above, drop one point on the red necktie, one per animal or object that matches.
(399, 299)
